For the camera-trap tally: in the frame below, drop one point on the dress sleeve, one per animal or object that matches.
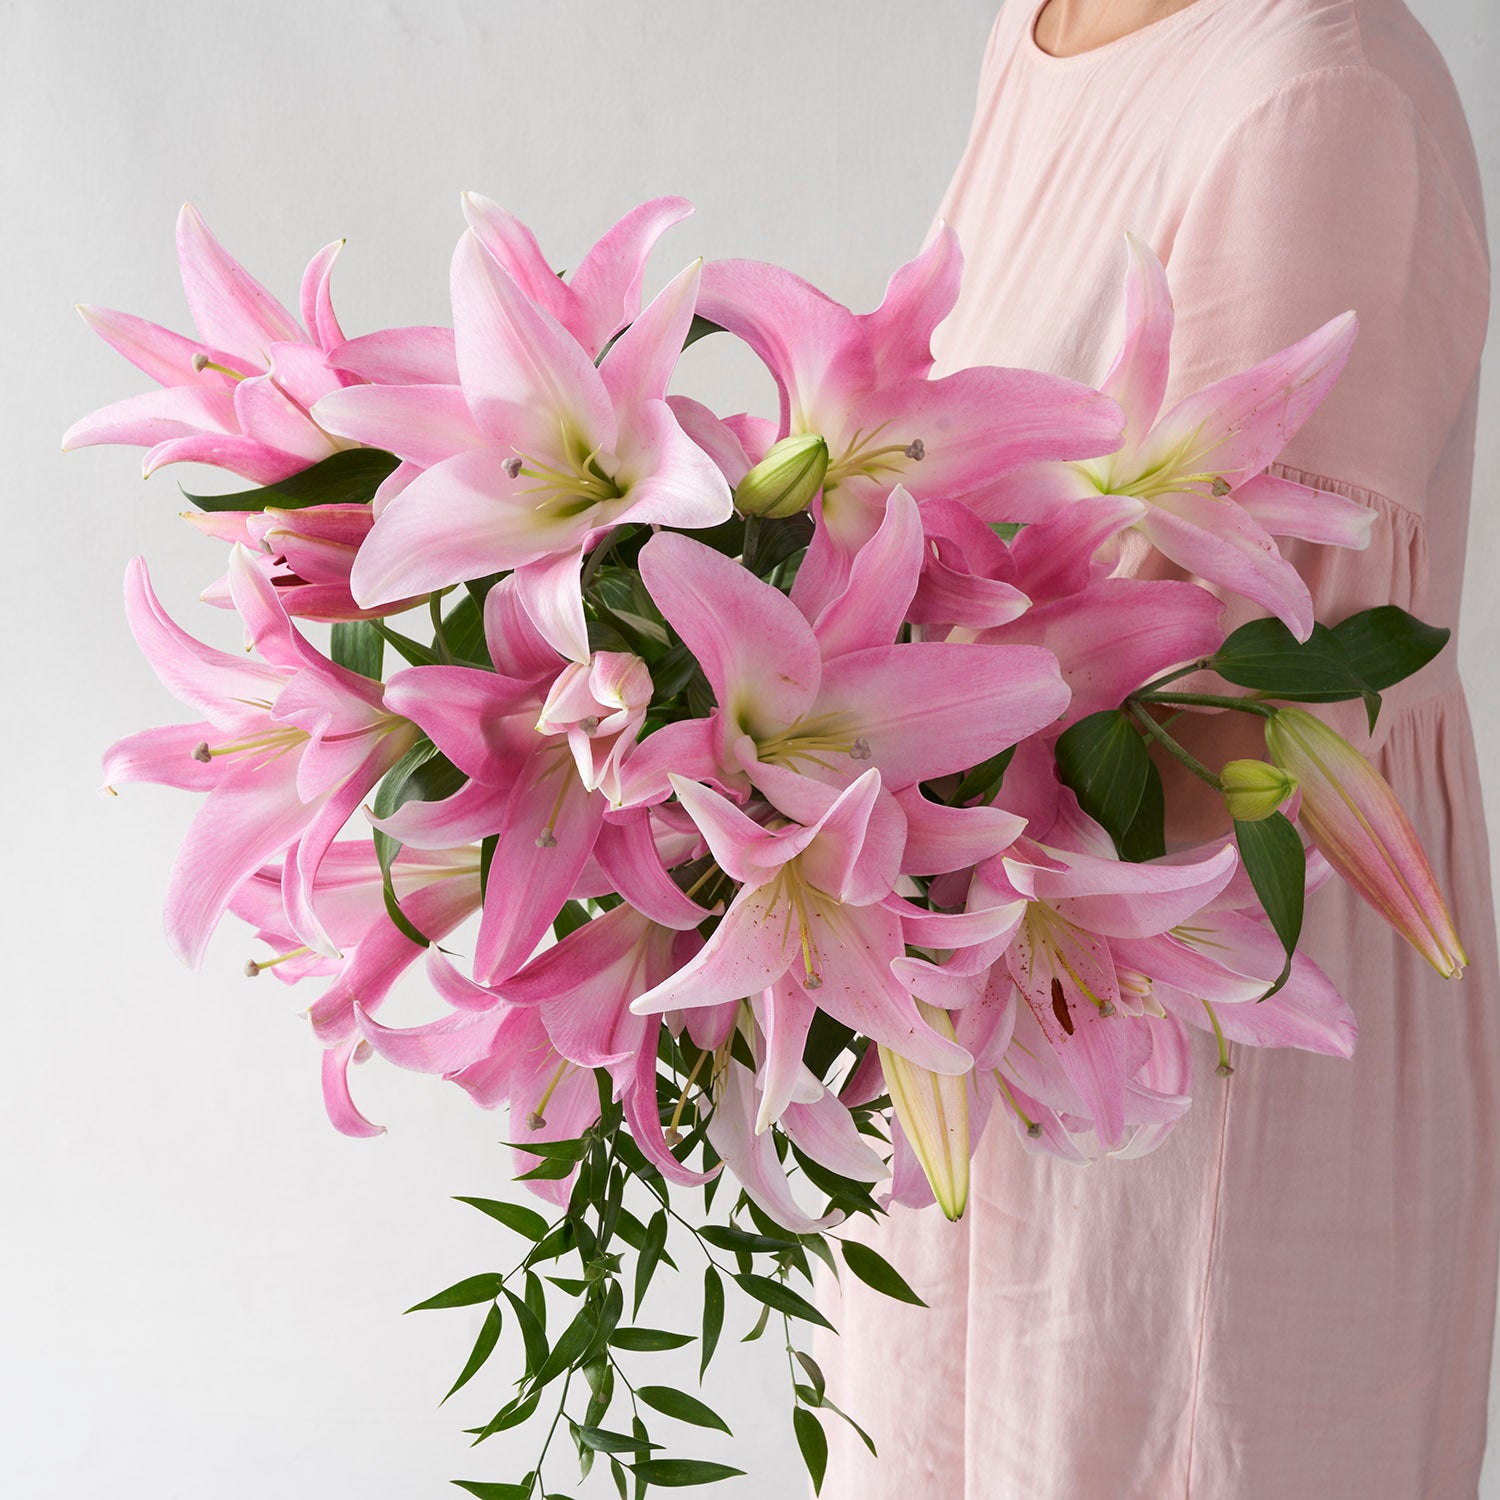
(1330, 193)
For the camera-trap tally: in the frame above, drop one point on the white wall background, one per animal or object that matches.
(201, 1282)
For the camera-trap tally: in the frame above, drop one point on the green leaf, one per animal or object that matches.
(1385, 645)
(875, 1271)
(410, 651)
(727, 1237)
(713, 1316)
(423, 774)
(680, 1406)
(984, 780)
(814, 1374)
(484, 1346)
(525, 1221)
(576, 1338)
(574, 914)
(463, 629)
(546, 1171)
(602, 1441)
(700, 328)
(567, 1151)
(813, 1442)
(780, 1298)
(760, 1325)
(357, 645)
(675, 1473)
(1104, 760)
(513, 1414)
(493, 1491)
(864, 1436)
(349, 477)
(1146, 838)
(465, 1293)
(532, 1332)
(1277, 866)
(650, 1257)
(1266, 656)
(648, 1340)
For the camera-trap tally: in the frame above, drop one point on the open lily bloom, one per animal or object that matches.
(832, 699)
(863, 383)
(538, 450)
(288, 749)
(1193, 480)
(238, 396)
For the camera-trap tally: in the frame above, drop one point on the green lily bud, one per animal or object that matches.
(786, 480)
(1254, 789)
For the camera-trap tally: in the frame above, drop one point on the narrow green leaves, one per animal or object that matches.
(780, 1298)
(484, 1346)
(465, 1293)
(1104, 760)
(1276, 863)
(350, 477)
(525, 1221)
(649, 1340)
(677, 1473)
(713, 1316)
(812, 1441)
(680, 1406)
(875, 1271)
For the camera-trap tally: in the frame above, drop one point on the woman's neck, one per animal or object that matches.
(1067, 27)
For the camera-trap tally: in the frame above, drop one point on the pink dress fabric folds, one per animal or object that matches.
(1293, 1299)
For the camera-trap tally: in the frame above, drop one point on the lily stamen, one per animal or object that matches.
(202, 362)
(253, 966)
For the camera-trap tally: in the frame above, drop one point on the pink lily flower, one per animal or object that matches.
(239, 396)
(437, 889)
(543, 751)
(862, 382)
(815, 1120)
(583, 987)
(832, 699)
(809, 909)
(288, 749)
(546, 451)
(1069, 908)
(307, 554)
(1193, 481)
(1352, 816)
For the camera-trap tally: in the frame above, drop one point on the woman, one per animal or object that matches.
(1293, 1299)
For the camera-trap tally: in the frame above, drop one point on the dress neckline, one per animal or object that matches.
(1040, 57)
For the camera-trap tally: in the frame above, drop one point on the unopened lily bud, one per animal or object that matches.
(1254, 789)
(1354, 819)
(933, 1109)
(786, 480)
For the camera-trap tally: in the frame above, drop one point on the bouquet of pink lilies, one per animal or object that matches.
(801, 770)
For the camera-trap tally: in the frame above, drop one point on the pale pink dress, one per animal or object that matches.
(1293, 1299)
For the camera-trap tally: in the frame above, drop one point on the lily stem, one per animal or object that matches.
(1166, 741)
(1207, 700)
(1203, 664)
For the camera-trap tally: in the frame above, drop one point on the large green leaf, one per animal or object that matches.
(525, 1221)
(1105, 761)
(713, 1316)
(1276, 863)
(350, 477)
(357, 645)
(1385, 645)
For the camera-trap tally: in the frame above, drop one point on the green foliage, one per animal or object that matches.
(357, 645)
(1276, 863)
(350, 477)
(1104, 760)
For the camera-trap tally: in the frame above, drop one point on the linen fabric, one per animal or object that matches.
(1293, 1299)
